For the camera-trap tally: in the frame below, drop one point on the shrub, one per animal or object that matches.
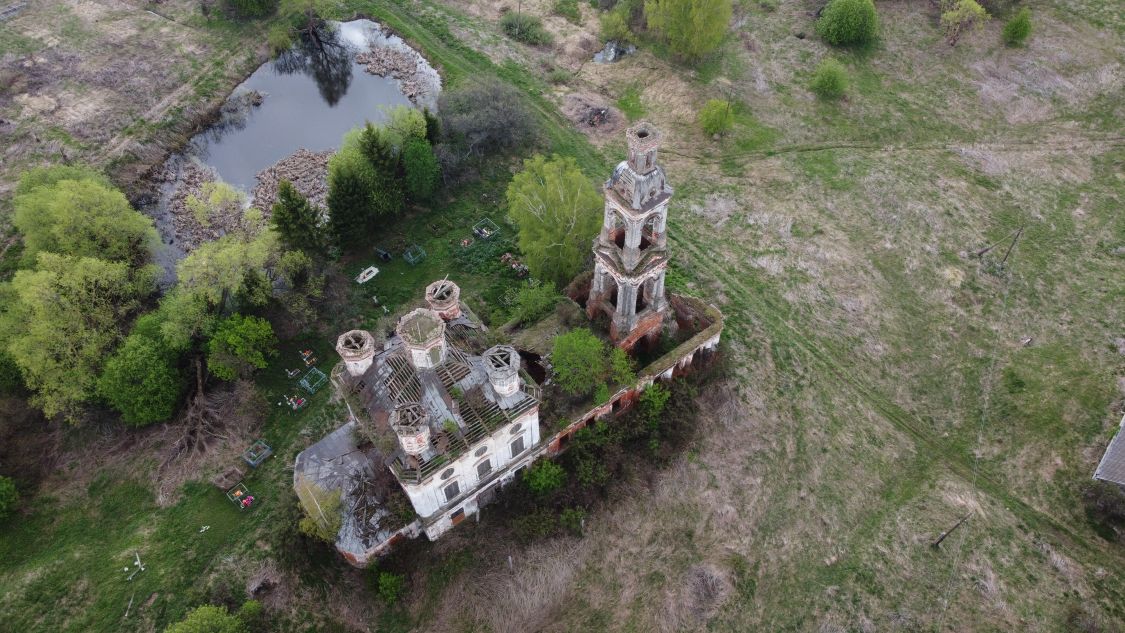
(250, 613)
(615, 28)
(1018, 28)
(1104, 501)
(389, 587)
(961, 16)
(525, 28)
(545, 477)
(716, 117)
(692, 28)
(536, 525)
(9, 497)
(601, 393)
(830, 80)
(569, 10)
(571, 519)
(208, 619)
(620, 367)
(482, 118)
(559, 76)
(578, 359)
(252, 8)
(533, 302)
(848, 22)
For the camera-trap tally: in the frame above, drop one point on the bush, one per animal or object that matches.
(250, 613)
(848, 22)
(9, 497)
(830, 80)
(533, 302)
(536, 525)
(571, 519)
(578, 358)
(482, 118)
(1104, 501)
(569, 10)
(525, 28)
(716, 117)
(692, 28)
(961, 16)
(545, 477)
(389, 587)
(208, 619)
(1018, 28)
(615, 28)
(252, 8)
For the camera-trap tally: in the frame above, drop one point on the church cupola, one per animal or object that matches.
(423, 333)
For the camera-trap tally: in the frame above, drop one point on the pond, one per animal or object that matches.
(306, 98)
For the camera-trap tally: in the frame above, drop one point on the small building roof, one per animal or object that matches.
(1112, 466)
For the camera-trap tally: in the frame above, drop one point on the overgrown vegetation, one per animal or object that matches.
(1017, 29)
(526, 28)
(691, 28)
(9, 497)
(716, 117)
(848, 22)
(830, 81)
(558, 212)
(568, 9)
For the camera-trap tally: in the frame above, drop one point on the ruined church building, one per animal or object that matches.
(452, 421)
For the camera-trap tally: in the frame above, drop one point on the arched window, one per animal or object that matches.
(447, 474)
(516, 428)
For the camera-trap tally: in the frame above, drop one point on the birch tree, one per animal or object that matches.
(558, 212)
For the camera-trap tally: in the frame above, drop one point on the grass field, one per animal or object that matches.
(880, 386)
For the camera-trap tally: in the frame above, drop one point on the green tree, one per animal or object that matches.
(1017, 30)
(653, 401)
(351, 210)
(959, 17)
(579, 362)
(219, 270)
(420, 167)
(558, 212)
(716, 117)
(74, 212)
(620, 367)
(848, 22)
(692, 28)
(239, 345)
(830, 81)
(208, 619)
(297, 222)
(433, 126)
(62, 320)
(142, 378)
(545, 477)
(216, 199)
(9, 497)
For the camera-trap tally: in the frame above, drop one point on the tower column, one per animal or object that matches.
(657, 299)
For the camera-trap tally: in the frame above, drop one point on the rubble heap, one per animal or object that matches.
(306, 170)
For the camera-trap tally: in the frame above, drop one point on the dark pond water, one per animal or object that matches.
(312, 97)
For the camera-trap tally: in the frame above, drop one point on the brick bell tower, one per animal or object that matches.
(630, 254)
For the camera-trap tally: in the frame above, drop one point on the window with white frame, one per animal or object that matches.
(484, 468)
(451, 491)
(517, 446)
